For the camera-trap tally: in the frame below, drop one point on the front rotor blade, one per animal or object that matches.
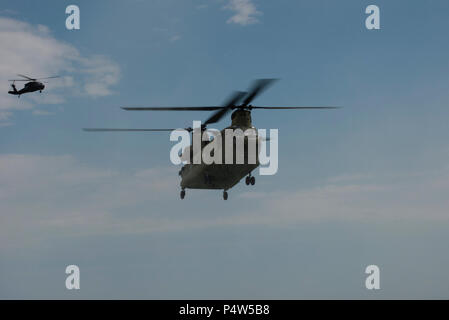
(47, 78)
(120, 130)
(231, 102)
(257, 88)
(287, 108)
(21, 75)
(206, 108)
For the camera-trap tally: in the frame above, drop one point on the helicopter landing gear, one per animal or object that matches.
(40, 91)
(225, 195)
(182, 194)
(250, 180)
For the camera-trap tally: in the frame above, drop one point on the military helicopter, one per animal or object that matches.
(32, 85)
(218, 176)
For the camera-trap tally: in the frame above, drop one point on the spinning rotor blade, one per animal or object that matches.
(288, 108)
(206, 108)
(26, 77)
(47, 78)
(257, 88)
(230, 103)
(34, 79)
(120, 130)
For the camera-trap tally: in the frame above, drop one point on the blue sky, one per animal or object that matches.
(366, 184)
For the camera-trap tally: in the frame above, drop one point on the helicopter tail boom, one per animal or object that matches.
(14, 90)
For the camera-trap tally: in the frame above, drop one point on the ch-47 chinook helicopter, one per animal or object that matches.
(32, 85)
(221, 176)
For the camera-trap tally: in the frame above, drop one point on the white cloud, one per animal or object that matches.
(362, 197)
(166, 34)
(102, 73)
(175, 38)
(245, 12)
(47, 98)
(32, 50)
(43, 196)
(4, 115)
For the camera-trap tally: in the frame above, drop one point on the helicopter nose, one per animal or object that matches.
(42, 86)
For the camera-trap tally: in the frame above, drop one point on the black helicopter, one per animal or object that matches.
(32, 85)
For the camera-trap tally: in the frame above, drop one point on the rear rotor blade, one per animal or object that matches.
(124, 130)
(205, 108)
(257, 88)
(230, 103)
(287, 108)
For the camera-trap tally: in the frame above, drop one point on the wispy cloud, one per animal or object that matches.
(245, 12)
(101, 74)
(33, 50)
(40, 195)
(42, 113)
(4, 115)
(175, 38)
(166, 33)
(8, 12)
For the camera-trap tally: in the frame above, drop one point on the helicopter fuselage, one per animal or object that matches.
(214, 176)
(222, 176)
(31, 86)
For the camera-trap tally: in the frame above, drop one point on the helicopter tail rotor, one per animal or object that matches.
(14, 89)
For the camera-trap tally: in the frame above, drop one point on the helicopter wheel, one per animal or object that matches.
(247, 180)
(252, 180)
(225, 195)
(183, 194)
(40, 91)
